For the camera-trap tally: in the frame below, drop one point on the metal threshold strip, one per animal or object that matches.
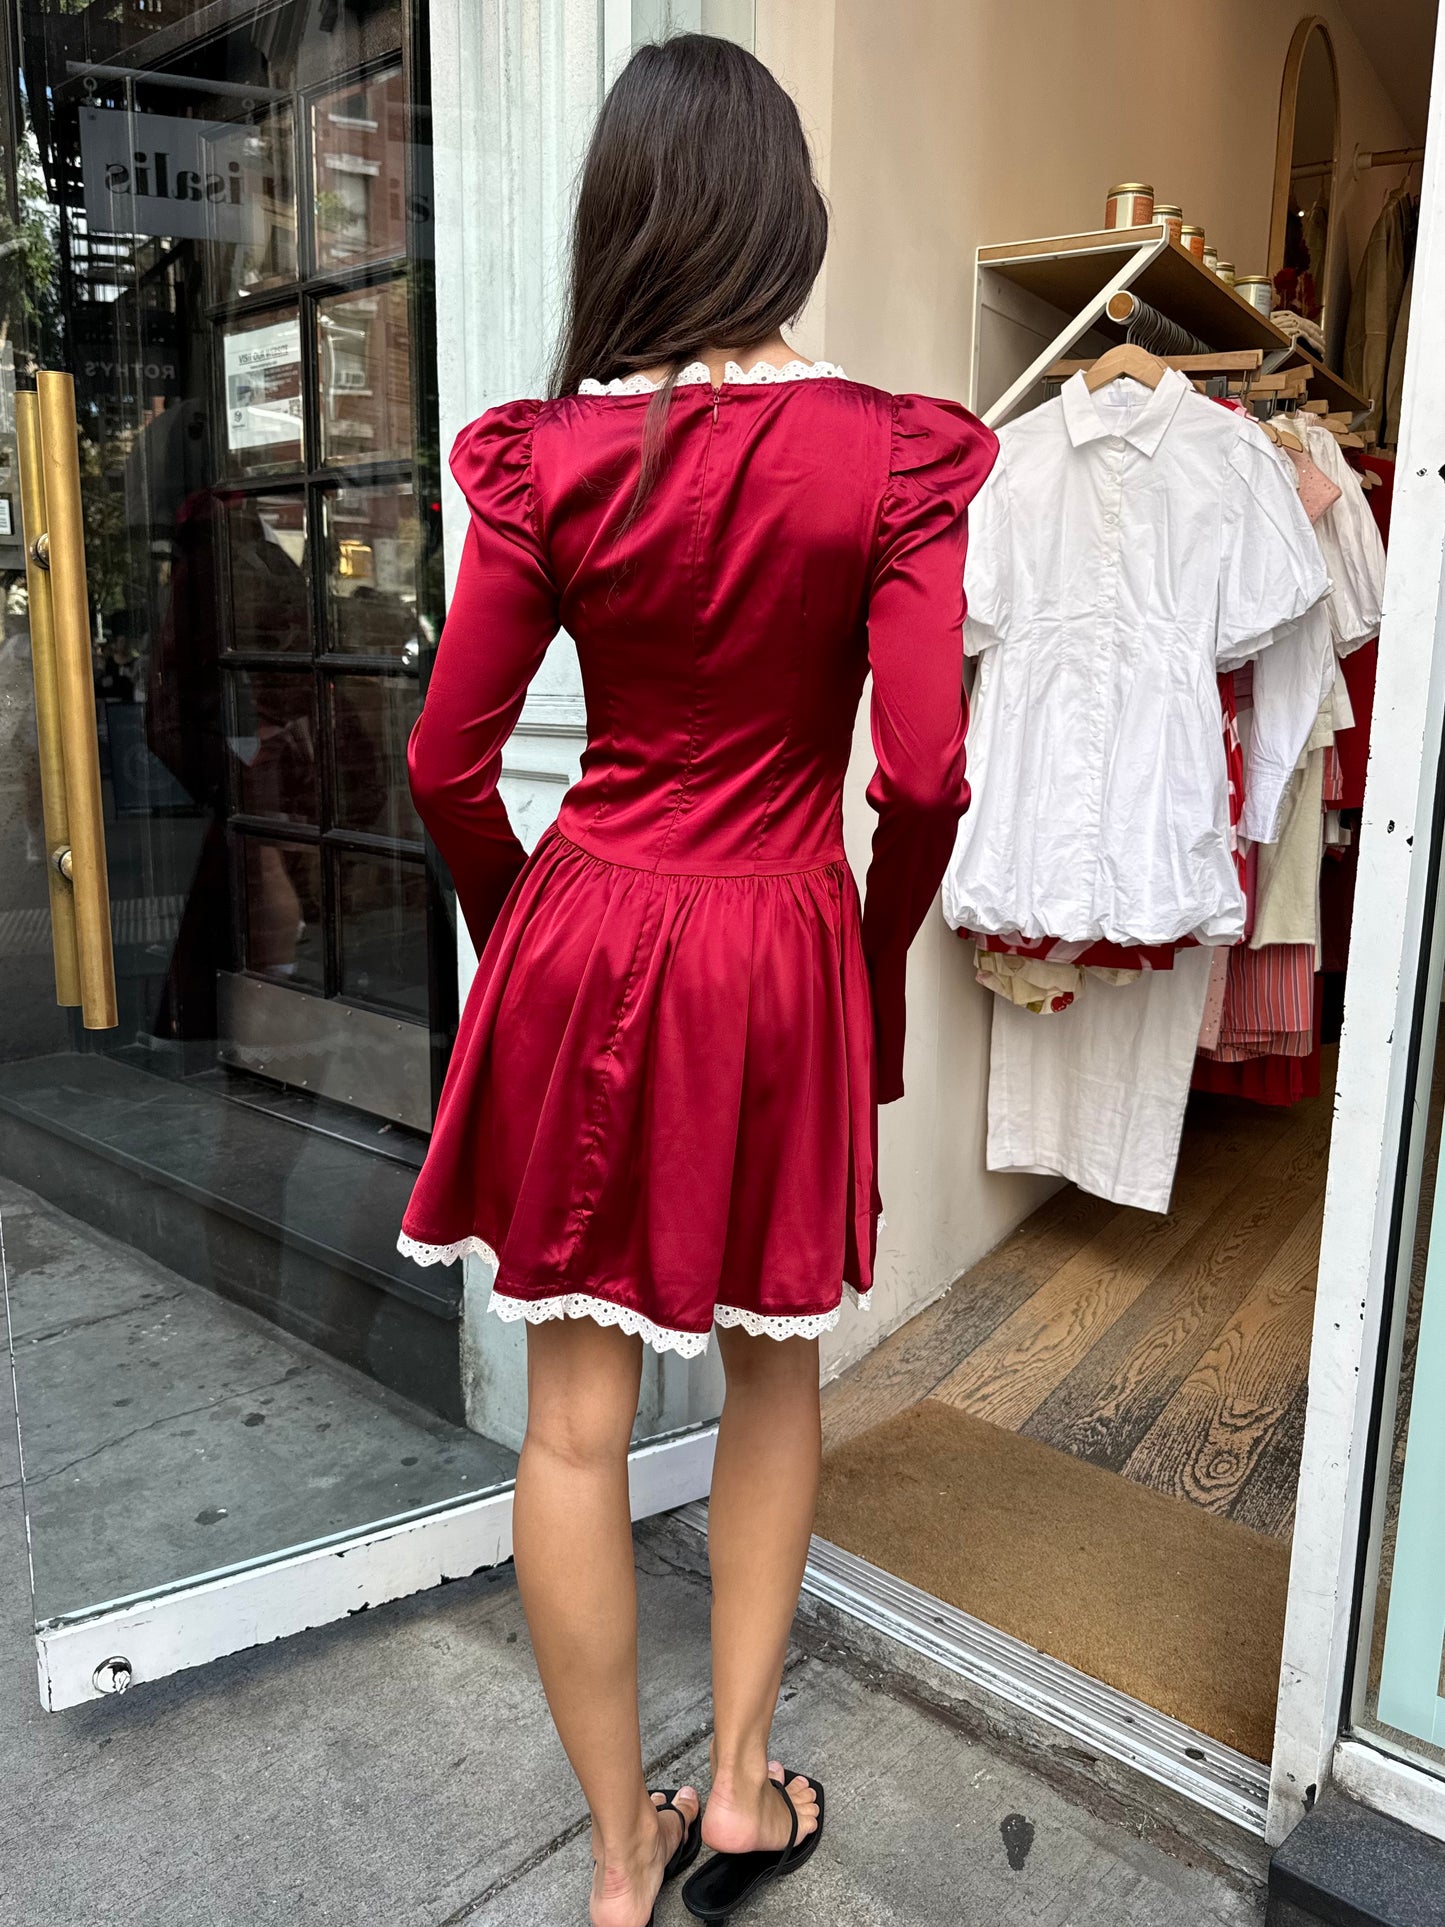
(1189, 1763)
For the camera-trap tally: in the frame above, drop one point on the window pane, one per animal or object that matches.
(364, 345)
(269, 605)
(358, 136)
(1400, 1675)
(383, 931)
(254, 165)
(261, 364)
(274, 744)
(371, 718)
(281, 911)
(373, 539)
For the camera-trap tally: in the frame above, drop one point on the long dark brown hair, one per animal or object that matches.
(699, 223)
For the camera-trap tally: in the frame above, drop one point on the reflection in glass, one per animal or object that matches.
(373, 537)
(256, 160)
(383, 931)
(364, 347)
(261, 368)
(358, 145)
(281, 911)
(274, 744)
(371, 718)
(266, 546)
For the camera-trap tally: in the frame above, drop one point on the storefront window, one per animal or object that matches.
(1400, 1668)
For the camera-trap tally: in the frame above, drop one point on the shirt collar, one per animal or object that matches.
(1086, 422)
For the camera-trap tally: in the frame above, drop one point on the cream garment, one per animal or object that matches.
(1127, 546)
(1098, 1095)
(1287, 892)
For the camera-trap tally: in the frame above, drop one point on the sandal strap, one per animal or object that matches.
(787, 1799)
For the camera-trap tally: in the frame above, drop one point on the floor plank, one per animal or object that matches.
(910, 1363)
(1216, 1428)
(1267, 1500)
(1018, 1366)
(1108, 1404)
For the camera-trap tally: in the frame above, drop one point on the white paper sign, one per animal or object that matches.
(159, 174)
(263, 385)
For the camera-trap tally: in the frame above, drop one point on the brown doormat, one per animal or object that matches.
(1151, 1594)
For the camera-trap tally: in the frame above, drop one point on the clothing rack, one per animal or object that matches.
(1386, 157)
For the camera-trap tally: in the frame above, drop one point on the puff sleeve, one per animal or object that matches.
(1271, 568)
(502, 616)
(988, 583)
(940, 456)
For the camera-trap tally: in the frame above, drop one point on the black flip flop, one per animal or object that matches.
(725, 1882)
(690, 1845)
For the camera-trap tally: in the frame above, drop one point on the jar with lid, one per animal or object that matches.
(1130, 204)
(1211, 260)
(1193, 239)
(1171, 218)
(1258, 291)
(1225, 271)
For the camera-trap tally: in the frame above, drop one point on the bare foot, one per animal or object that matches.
(753, 1819)
(625, 1891)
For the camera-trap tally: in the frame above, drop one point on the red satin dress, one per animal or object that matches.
(660, 1111)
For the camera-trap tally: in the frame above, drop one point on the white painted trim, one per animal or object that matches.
(1393, 914)
(197, 1623)
(1055, 1695)
(1391, 1785)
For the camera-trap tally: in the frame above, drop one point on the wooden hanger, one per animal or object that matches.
(1125, 360)
(1288, 437)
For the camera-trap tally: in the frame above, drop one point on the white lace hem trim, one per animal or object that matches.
(663, 1338)
(696, 374)
(580, 1304)
(421, 1254)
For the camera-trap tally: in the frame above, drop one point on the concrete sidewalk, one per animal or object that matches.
(399, 1770)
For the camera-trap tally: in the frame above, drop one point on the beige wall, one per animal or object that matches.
(941, 125)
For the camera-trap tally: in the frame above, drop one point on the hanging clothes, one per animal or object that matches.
(1128, 545)
(1389, 427)
(1375, 302)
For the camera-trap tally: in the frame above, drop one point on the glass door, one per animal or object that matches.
(228, 963)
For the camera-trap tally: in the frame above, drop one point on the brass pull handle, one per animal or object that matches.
(65, 700)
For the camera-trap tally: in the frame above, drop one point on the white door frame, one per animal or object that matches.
(1393, 920)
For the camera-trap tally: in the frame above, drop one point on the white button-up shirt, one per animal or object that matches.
(1128, 545)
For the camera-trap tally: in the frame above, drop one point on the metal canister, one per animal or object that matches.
(1130, 204)
(1258, 291)
(1211, 260)
(1193, 239)
(1225, 271)
(1171, 218)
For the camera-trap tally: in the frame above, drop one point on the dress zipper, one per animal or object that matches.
(716, 398)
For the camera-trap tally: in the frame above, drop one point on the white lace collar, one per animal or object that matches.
(696, 374)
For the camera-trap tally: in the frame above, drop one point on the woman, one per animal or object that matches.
(660, 1113)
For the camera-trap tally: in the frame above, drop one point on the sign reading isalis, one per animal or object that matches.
(159, 174)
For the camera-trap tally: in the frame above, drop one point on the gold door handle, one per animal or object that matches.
(71, 800)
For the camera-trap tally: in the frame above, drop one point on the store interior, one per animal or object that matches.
(1091, 1441)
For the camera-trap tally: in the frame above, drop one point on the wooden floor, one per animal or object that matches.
(1171, 1349)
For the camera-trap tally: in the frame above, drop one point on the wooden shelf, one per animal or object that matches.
(1069, 271)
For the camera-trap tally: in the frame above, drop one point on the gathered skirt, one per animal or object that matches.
(659, 1111)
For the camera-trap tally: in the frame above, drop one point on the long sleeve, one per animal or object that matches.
(502, 616)
(941, 455)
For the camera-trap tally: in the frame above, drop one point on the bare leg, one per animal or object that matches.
(764, 1490)
(572, 1538)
